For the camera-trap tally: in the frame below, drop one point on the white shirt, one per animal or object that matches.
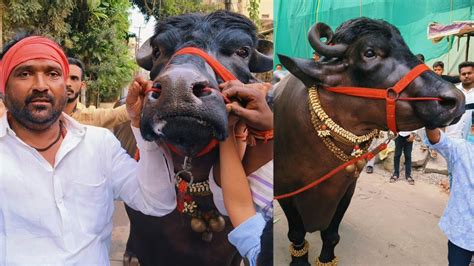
(405, 133)
(459, 130)
(62, 215)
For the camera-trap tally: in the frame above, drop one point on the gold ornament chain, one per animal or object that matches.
(334, 129)
(299, 252)
(333, 262)
(340, 154)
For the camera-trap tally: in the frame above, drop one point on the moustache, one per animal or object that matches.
(43, 96)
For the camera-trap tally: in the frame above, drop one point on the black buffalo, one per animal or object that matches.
(361, 53)
(187, 112)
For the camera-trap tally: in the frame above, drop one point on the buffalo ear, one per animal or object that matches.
(265, 47)
(262, 59)
(144, 55)
(311, 73)
(303, 69)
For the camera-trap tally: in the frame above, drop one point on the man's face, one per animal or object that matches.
(35, 93)
(438, 70)
(74, 83)
(466, 75)
(278, 67)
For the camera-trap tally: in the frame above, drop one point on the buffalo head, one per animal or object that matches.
(371, 53)
(189, 111)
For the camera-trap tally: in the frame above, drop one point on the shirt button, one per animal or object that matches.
(60, 201)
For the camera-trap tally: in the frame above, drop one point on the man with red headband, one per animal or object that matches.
(58, 178)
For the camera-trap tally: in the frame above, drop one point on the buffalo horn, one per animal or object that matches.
(322, 30)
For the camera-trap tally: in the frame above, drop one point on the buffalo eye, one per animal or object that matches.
(243, 52)
(370, 53)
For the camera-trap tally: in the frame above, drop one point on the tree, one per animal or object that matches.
(165, 8)
(93, 30)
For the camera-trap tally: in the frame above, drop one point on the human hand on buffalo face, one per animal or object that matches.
(134, 101)
(250, 103)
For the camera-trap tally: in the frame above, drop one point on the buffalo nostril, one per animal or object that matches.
(201, 90)
(448, 102)
(155, 91)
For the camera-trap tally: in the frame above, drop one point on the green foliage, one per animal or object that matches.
(253, 9)
(94, 31)
(165, 8)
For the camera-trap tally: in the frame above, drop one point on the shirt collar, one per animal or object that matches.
(71, 125)
(3, 125)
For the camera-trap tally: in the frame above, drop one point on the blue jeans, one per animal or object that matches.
(458, 256)
(401, 144)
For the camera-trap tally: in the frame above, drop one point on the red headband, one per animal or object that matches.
(34, 47)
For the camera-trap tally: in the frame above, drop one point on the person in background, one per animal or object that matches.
(457, 222)
(460, 130)
(438, 68)
(279, 74)
(420, 57)
(315, 56)
(100, 117)
(403, 143)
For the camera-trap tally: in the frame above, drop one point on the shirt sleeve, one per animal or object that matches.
(109, 118)
(446, 146)
(246, 237)
(147, 187)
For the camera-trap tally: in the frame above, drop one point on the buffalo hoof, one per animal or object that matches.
(300, 261)
(130, 259)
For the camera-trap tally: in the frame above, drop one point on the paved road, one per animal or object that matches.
(386, 224)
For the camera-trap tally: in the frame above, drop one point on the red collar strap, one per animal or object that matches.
(391, 95)
(220, 70)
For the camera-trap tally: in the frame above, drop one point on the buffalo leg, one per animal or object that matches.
(129, 257)
(296, 231)
(330, 236)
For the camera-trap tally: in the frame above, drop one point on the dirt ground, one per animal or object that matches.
(386, 224)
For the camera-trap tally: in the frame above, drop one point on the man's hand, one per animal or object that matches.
(256, 113)
(134, 101)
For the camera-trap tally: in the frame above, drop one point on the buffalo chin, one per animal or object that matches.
(190, 135)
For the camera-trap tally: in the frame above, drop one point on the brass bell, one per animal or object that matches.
(360, 164)
(217, 224)
(350, 168)
(356, 174)
(198, 225)
(207, 236)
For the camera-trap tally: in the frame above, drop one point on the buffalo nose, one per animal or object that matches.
(453, 100)
(184, 82)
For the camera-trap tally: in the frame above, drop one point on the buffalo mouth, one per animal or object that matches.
(187, 133)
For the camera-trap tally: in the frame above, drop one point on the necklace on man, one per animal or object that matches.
(54, 142)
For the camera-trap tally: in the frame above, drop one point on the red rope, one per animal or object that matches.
(220, 70)
(368, 155)
(390, 95)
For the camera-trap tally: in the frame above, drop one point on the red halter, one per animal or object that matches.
(391, 95)
(220, 70)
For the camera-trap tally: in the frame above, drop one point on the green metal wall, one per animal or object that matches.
(293, 19)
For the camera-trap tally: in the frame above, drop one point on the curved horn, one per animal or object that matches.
(322, 30)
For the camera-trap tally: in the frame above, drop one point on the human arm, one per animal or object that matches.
(234, 183)
(151, 189)
(251, 107)
(448, 147)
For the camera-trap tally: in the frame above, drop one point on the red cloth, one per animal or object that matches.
(34, 47)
